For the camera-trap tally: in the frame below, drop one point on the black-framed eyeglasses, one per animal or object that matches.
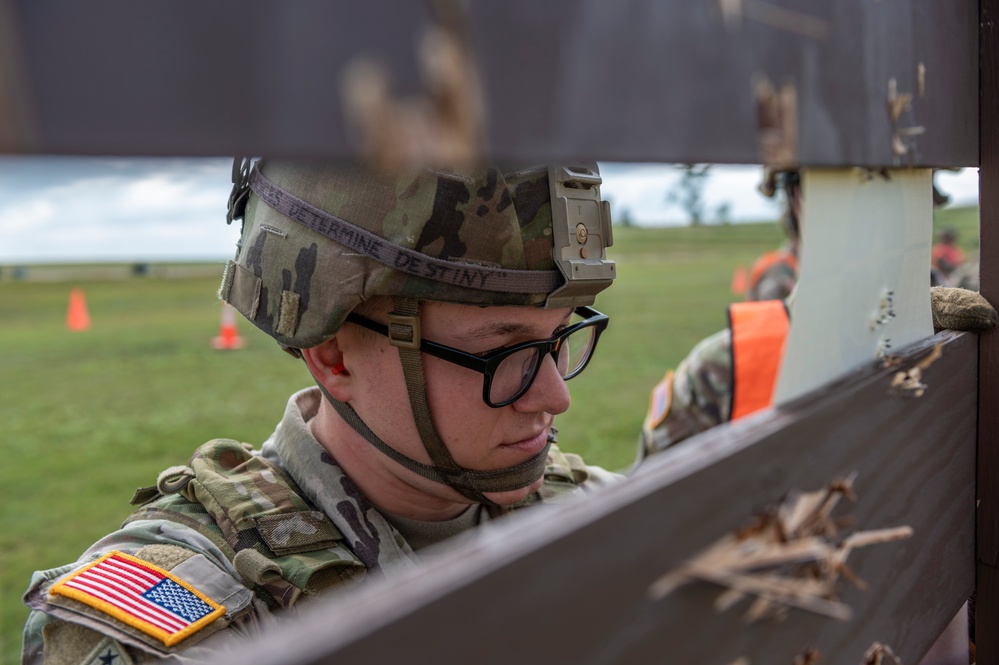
(509, 372)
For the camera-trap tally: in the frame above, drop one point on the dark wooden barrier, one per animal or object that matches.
(630, 80)
(987, 605)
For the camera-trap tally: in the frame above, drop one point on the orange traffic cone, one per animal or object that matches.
(740, 281)
(228, 338)
(77, 316)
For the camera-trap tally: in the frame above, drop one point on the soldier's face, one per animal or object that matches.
(478, 437)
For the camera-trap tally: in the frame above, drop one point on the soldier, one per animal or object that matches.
(946, 256)
(440, 315)
(733, 372)
(775, 273)
(703, 392)
(966, 274)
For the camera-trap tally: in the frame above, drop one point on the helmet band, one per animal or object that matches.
(457, 273)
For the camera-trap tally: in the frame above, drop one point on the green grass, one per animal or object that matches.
(88, 417)
(962, 220)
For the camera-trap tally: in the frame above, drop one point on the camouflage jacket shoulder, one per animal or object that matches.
(692, 399)
(262, 530)
(774, 275)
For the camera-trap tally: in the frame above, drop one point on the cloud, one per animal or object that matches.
(640, 190)
(116, 209)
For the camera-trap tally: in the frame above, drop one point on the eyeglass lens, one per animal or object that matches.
(515, 373)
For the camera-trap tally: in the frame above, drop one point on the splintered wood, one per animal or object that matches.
(777, 119)
(441, 128)
(880, 654)
(809, 656)
(790, 556)
(909, 383)
(903, 138)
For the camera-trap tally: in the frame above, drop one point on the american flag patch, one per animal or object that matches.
(141, 595)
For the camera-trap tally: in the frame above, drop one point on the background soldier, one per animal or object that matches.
(702, 393)
(966, 274)
(946, 257)
(775, 273)
(439, 330)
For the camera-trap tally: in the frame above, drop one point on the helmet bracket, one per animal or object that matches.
(581, 233)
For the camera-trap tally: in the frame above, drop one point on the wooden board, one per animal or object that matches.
(632, 80)
(653, 81)
(569, 584)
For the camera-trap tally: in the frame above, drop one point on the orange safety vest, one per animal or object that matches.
(759, 330)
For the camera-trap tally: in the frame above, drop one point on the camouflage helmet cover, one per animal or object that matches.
(484, 238)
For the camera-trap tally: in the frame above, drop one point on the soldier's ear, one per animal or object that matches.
(326, 363)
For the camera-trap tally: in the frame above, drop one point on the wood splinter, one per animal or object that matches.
(788, 557)
(908, 383)
(879, 654)
(902, 137)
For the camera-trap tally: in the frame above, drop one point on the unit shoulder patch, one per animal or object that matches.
(660, 400)
(141, 595)
(108, 652)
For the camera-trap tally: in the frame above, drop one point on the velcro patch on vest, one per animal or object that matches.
(142, 596)
(660, 401)
(300, 531)
(108, 652)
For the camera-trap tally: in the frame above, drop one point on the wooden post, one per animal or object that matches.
(987, 583)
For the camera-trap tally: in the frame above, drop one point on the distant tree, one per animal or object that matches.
(688, 193)
(724, 212)
(624, 218)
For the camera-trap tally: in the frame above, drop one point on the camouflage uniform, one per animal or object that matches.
(776, 280)
(966, 274)
(694, 398)
(357, 540)
(698, 395)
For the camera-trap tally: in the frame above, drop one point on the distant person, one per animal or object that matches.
(965, 276)
(702, 392)
(775, 273)
(946, 256)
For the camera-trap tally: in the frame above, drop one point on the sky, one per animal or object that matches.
(85, 209)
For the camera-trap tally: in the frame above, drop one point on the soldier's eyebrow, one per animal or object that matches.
(503, 329)
(498, 329)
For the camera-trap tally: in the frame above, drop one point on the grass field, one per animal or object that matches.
(90, 416)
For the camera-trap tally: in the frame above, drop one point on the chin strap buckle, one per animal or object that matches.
(404, 330)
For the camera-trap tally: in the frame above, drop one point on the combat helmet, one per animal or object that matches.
(318, 239)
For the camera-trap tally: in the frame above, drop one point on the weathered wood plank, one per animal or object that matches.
(182, 77)
(632, 80)
(653, 81)
(570, 584)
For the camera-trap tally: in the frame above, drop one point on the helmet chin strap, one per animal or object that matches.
(468, 482)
